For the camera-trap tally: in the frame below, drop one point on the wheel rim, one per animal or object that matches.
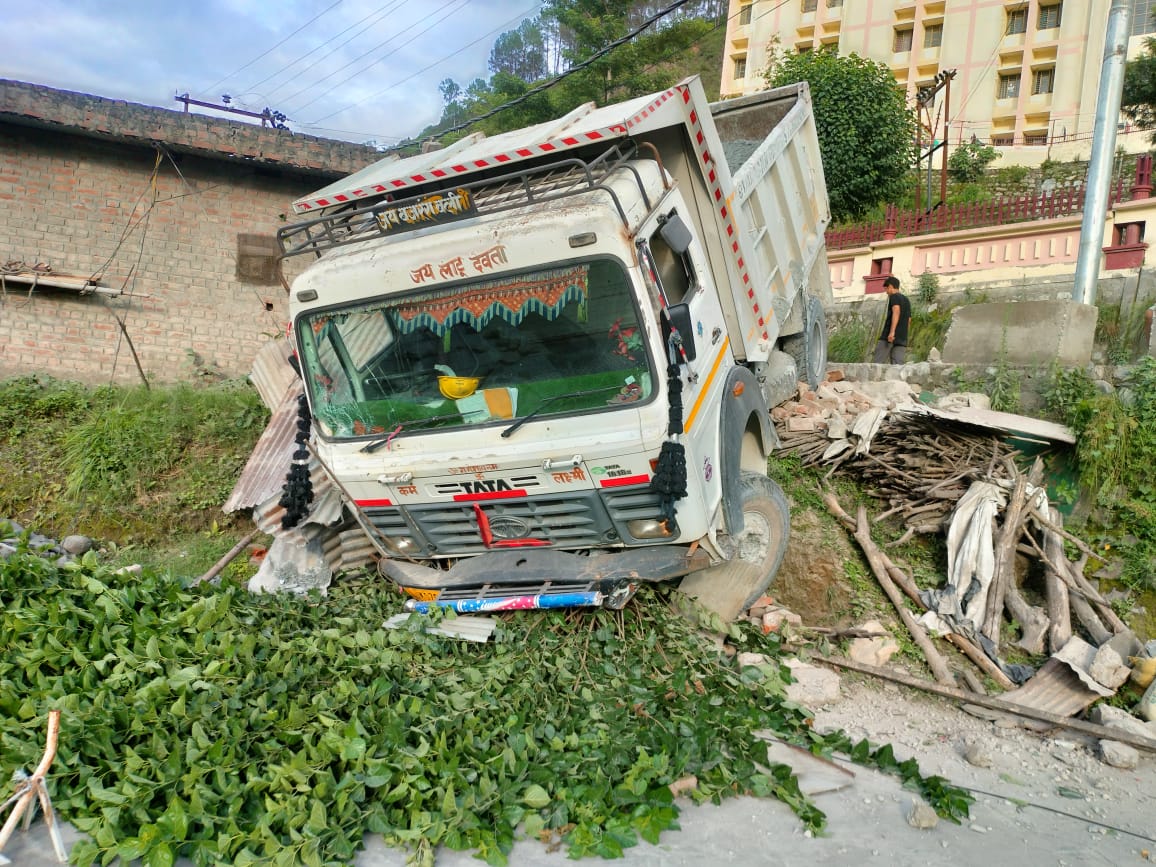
(816, 353)
(753, 544)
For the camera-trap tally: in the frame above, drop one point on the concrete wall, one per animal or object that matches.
(180, 240)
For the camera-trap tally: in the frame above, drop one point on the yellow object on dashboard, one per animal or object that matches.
(457, 387)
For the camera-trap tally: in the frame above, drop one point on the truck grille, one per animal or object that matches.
(588, 519)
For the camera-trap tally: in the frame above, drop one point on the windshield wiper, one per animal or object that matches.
(541, 406)
(371, 447)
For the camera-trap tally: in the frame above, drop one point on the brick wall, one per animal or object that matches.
(166, 233)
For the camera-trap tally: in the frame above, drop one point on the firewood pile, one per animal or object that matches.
(970, 482)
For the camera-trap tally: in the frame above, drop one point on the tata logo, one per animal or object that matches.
(475, 486)
(508, 527)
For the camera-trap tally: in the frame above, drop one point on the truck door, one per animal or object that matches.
(674, 263)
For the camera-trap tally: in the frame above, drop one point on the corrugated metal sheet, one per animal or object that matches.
(272, 375)
(265, 470)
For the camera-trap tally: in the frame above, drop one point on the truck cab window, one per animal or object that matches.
(675, 272)
(562, 340)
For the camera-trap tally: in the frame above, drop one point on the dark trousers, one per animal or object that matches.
(889, 353)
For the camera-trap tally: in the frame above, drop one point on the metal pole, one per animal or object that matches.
(946, 135)
(1103, 152)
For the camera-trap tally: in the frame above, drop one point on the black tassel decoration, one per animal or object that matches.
(669, 479)
(298, 491)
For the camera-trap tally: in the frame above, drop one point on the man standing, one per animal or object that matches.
(892, 345)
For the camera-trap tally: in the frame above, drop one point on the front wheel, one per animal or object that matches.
(756, 551)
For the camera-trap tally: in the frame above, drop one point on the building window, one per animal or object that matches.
(740, 68)
(1009, 86)
(834, 4)
(1036, 139)
(1017, 21)
(745, 15)
(1000, 141)
(1143, 18)
(810, 5)
(1050, 16)
(933, 36)
(903, 40)
(1044, 80)
(257, 257)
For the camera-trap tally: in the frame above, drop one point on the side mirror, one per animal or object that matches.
(678, 317)
(676, 234)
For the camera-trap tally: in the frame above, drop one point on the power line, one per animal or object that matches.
(598, 55)
(381, 11)
(370, 51)
(449, 56)
(278, 45)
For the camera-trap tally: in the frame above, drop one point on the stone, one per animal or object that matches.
(813, 686)
(294, 564)
(1119, 755)
(746, 659)
(964, 400)
(775, 616)
(836, 427)
(835, 376)
(797, 424)
(1108, 668)
(933, 355)
(977, 755)
(873, 651)
(76, 545)
(921, 815)
(1115, 718)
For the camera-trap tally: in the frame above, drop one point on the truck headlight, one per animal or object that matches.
(649, 528)
(402, 546)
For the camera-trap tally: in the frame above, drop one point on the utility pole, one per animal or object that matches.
(1103, 151)
(273, 118)
(923, 98)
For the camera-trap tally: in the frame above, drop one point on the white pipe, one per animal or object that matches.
(1103, 152)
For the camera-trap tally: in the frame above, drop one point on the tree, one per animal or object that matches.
(1138, 101)
(866, 130)
(520, 53)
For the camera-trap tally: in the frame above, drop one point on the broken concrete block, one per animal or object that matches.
(836, 427)
(922, 815)
(747, 659)
(873, 651)
(294, 564)
(1108, 668)
(813, 686)
(1115, 718)
(1119, 755)
(780, 413)
(835, 376)
(775, 616)
(797, 424)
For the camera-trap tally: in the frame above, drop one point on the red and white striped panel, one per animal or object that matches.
(695, 126)
(453, 170)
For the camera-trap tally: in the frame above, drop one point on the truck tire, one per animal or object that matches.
(757, 552)
(809, 346)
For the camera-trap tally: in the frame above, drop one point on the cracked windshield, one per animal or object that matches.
(544, 342)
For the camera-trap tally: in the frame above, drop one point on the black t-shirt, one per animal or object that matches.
(897, 300)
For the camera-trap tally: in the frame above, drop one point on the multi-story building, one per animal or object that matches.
(1027, 72)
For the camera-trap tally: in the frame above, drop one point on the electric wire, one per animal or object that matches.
(433, 23)
(381, 11)
(413, 75)
(1020, 801)
(546, 85)
(278, 45)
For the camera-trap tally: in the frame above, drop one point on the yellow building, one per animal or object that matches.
(1027, 73)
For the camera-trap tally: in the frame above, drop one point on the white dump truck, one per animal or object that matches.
(539, 365)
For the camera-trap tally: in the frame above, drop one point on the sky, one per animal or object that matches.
(359, 70)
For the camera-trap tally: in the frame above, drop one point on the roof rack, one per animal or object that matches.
(535, 185)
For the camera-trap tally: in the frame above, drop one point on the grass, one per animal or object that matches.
(129, 467)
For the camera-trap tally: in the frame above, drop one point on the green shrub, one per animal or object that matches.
(850, 340)
(968, 161)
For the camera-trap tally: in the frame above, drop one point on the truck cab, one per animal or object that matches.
(523, 376)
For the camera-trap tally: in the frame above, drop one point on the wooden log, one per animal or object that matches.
(1033, 621)
(996, 703)
(1005, 542)
(862, 535)
(1059, 602)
